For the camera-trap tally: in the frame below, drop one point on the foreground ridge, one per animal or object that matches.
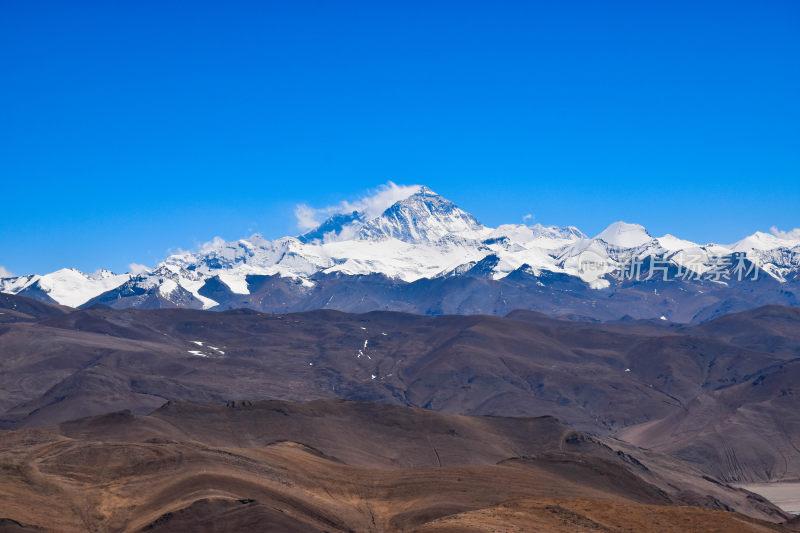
(297, 467)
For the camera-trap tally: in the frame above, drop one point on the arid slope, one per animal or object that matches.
(345, 466)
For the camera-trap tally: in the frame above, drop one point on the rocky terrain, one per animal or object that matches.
(719, 395)
(344, 466)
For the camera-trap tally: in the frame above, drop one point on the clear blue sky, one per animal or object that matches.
(131, 128)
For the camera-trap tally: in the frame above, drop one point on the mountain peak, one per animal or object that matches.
(424, 191)
(624, 235)
(423, 217)
(764, 241)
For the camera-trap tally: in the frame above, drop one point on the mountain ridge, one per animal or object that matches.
(426, 237)
(330, 465)
(684, 390)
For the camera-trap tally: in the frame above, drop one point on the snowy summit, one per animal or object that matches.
(404, 233)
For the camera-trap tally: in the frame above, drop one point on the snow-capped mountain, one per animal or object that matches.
(67, 286)
(624, 235)
(422, 218)
(423, 238)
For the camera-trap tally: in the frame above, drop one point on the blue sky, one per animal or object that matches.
(132, 128)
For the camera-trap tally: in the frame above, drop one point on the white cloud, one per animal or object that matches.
(372, 205)
(527, 217)
(793, 234)
(214, 244)
(136, 269)
(307, 217)
(6, 273)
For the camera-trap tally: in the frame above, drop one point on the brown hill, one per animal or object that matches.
(723, 390)
(344, 466)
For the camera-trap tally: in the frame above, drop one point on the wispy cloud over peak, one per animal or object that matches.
(792, 234)
(371, 205)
